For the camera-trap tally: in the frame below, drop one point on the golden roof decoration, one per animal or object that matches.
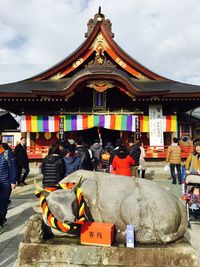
(100, 85)
(56, 76)
(142, 77)
(99, 43)
(77, 63)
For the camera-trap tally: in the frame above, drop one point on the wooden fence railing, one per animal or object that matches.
(161, 152)
(39, 152)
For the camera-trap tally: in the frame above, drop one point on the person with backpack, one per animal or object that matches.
(7, 181)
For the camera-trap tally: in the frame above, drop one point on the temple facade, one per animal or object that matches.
(99, 90)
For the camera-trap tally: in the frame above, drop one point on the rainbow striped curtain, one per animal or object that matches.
(31, 123)
(77, 122)
(169, 123)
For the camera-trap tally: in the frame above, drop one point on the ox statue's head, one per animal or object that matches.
(63, 203)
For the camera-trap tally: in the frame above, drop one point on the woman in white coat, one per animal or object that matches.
(142, 166)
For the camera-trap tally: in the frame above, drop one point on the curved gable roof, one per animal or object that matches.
(96, 54)
(99, 36)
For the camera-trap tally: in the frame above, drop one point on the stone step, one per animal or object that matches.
(58, 253)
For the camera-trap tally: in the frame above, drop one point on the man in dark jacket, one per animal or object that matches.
(134, 152)
(7, 181)
(22, 162)
(84, 155)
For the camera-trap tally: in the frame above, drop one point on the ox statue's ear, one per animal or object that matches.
(78, 184)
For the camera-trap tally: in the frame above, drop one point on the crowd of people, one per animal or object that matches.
(66, 157)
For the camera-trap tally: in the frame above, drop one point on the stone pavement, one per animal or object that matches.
(23, 200)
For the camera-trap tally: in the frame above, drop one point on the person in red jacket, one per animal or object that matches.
(122, 162)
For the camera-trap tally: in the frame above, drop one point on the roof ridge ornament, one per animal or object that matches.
(99, 10)
(99, 17)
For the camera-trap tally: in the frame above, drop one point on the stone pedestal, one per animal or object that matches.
(68, 252)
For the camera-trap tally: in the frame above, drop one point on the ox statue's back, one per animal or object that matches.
(158, 216)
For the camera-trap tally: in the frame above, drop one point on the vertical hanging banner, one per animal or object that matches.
(155, 125)
(99, 100)
(137, 128)
(61, 129)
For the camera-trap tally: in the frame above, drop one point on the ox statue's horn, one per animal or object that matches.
(78, 183)
(37, 186)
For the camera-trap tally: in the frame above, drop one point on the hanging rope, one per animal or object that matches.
(65, 227)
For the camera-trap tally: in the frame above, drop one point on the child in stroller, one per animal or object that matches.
(192, 197)
(191, 190)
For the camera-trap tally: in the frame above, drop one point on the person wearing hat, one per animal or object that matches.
(192, 164)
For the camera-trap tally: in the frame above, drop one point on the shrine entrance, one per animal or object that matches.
(106, 135)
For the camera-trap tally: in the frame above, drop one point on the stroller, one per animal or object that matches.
(191, 195)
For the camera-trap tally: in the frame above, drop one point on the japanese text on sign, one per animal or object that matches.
(155, 125)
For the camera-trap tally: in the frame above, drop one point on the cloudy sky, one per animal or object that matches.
(163, 35)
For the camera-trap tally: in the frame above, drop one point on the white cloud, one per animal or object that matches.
(162, 35)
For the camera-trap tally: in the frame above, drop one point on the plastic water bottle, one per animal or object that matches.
(183, 187)
(130, 236)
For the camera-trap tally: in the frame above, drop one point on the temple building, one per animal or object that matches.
(99, 90)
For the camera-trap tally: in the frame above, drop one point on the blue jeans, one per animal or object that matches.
(173, 175)
(4, 198)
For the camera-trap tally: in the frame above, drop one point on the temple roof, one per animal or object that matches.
(98, 57)
(63, 85)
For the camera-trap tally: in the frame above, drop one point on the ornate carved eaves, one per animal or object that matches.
(96, 64)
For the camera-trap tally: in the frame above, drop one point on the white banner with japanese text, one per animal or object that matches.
(155, 126)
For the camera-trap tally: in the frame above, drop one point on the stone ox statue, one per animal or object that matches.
(158, 216)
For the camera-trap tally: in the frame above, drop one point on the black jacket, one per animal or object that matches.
(84, 155)
(53, 170)
(135, 153)
(21, 155)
